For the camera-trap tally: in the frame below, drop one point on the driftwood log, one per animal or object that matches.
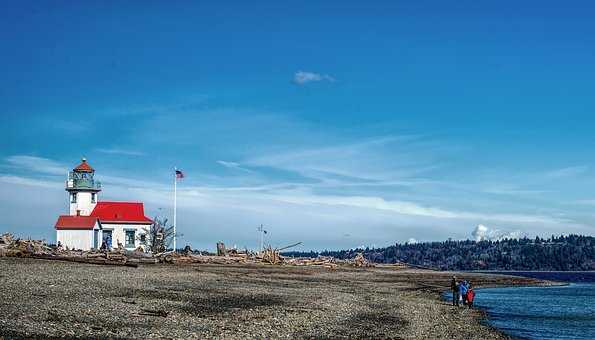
(121, 257)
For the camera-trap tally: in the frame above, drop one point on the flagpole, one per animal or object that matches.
(175, 203)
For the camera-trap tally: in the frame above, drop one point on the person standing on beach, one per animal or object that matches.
(470, 296)
(455, 291)
(463, 291)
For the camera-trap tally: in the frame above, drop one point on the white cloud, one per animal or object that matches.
(483, 233)
(29, 182)
(408, 208)
(37, 164)
(303, 77)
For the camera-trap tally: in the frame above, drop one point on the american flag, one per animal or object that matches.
(179, 174)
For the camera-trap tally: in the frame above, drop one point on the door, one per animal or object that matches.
(107, 238)
(96, 239)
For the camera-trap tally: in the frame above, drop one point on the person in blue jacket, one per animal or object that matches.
(463, 286)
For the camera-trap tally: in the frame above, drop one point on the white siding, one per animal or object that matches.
(83, 203)
(75, 239)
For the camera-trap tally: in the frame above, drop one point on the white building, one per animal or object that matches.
(91, 222)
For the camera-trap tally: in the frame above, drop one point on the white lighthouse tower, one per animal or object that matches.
(82, 189)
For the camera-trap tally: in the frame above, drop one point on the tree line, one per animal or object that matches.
(557, 253)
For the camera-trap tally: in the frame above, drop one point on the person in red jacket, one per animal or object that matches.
(470, 296)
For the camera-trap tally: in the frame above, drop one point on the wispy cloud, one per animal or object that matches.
(233, 165)
(512, 190)
(119, 151)
(411, 208)
(303, 77)
(32, 182)
(386, 158)
(571, 171)
(37, 164)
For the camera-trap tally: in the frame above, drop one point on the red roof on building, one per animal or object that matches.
(121, 212)
(76, 222)
(83, 167)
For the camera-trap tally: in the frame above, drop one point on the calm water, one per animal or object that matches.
(562, 312)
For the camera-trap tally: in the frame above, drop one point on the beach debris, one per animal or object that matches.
(289, 246)
(269, 255)
(322, 261)
(360, 261)
(9, 246)
(154, 312)
(39, 249)
(130, 302)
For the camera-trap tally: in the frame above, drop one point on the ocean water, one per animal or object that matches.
(564, 312)
(557, 312)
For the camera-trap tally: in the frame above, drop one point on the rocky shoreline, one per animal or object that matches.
(44, 299)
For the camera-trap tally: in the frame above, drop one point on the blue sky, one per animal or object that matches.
(338, 124)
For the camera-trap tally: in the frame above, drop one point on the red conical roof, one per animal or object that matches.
(83, 167)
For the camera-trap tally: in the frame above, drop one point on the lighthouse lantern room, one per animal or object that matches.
(82, 189)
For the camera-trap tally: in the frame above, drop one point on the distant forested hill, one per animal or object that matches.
(572, 252)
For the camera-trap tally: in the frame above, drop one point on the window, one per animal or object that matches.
(73, 198)
(129, 238)
(143, 239)
(93, 197)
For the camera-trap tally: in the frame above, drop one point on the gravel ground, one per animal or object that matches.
(44, 299)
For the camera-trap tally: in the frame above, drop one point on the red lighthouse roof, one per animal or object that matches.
(121, 212)
(83, 167)
(75, 222)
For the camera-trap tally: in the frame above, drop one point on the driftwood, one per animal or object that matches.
(152, 312)
(39, 250)
(143, 261)
(78, 259)
(322, 261)
(6, 239)
(121, 257)
(289, 246)
(360, 261)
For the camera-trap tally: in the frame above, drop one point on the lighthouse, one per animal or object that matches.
(92, 224)
(82, 189)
